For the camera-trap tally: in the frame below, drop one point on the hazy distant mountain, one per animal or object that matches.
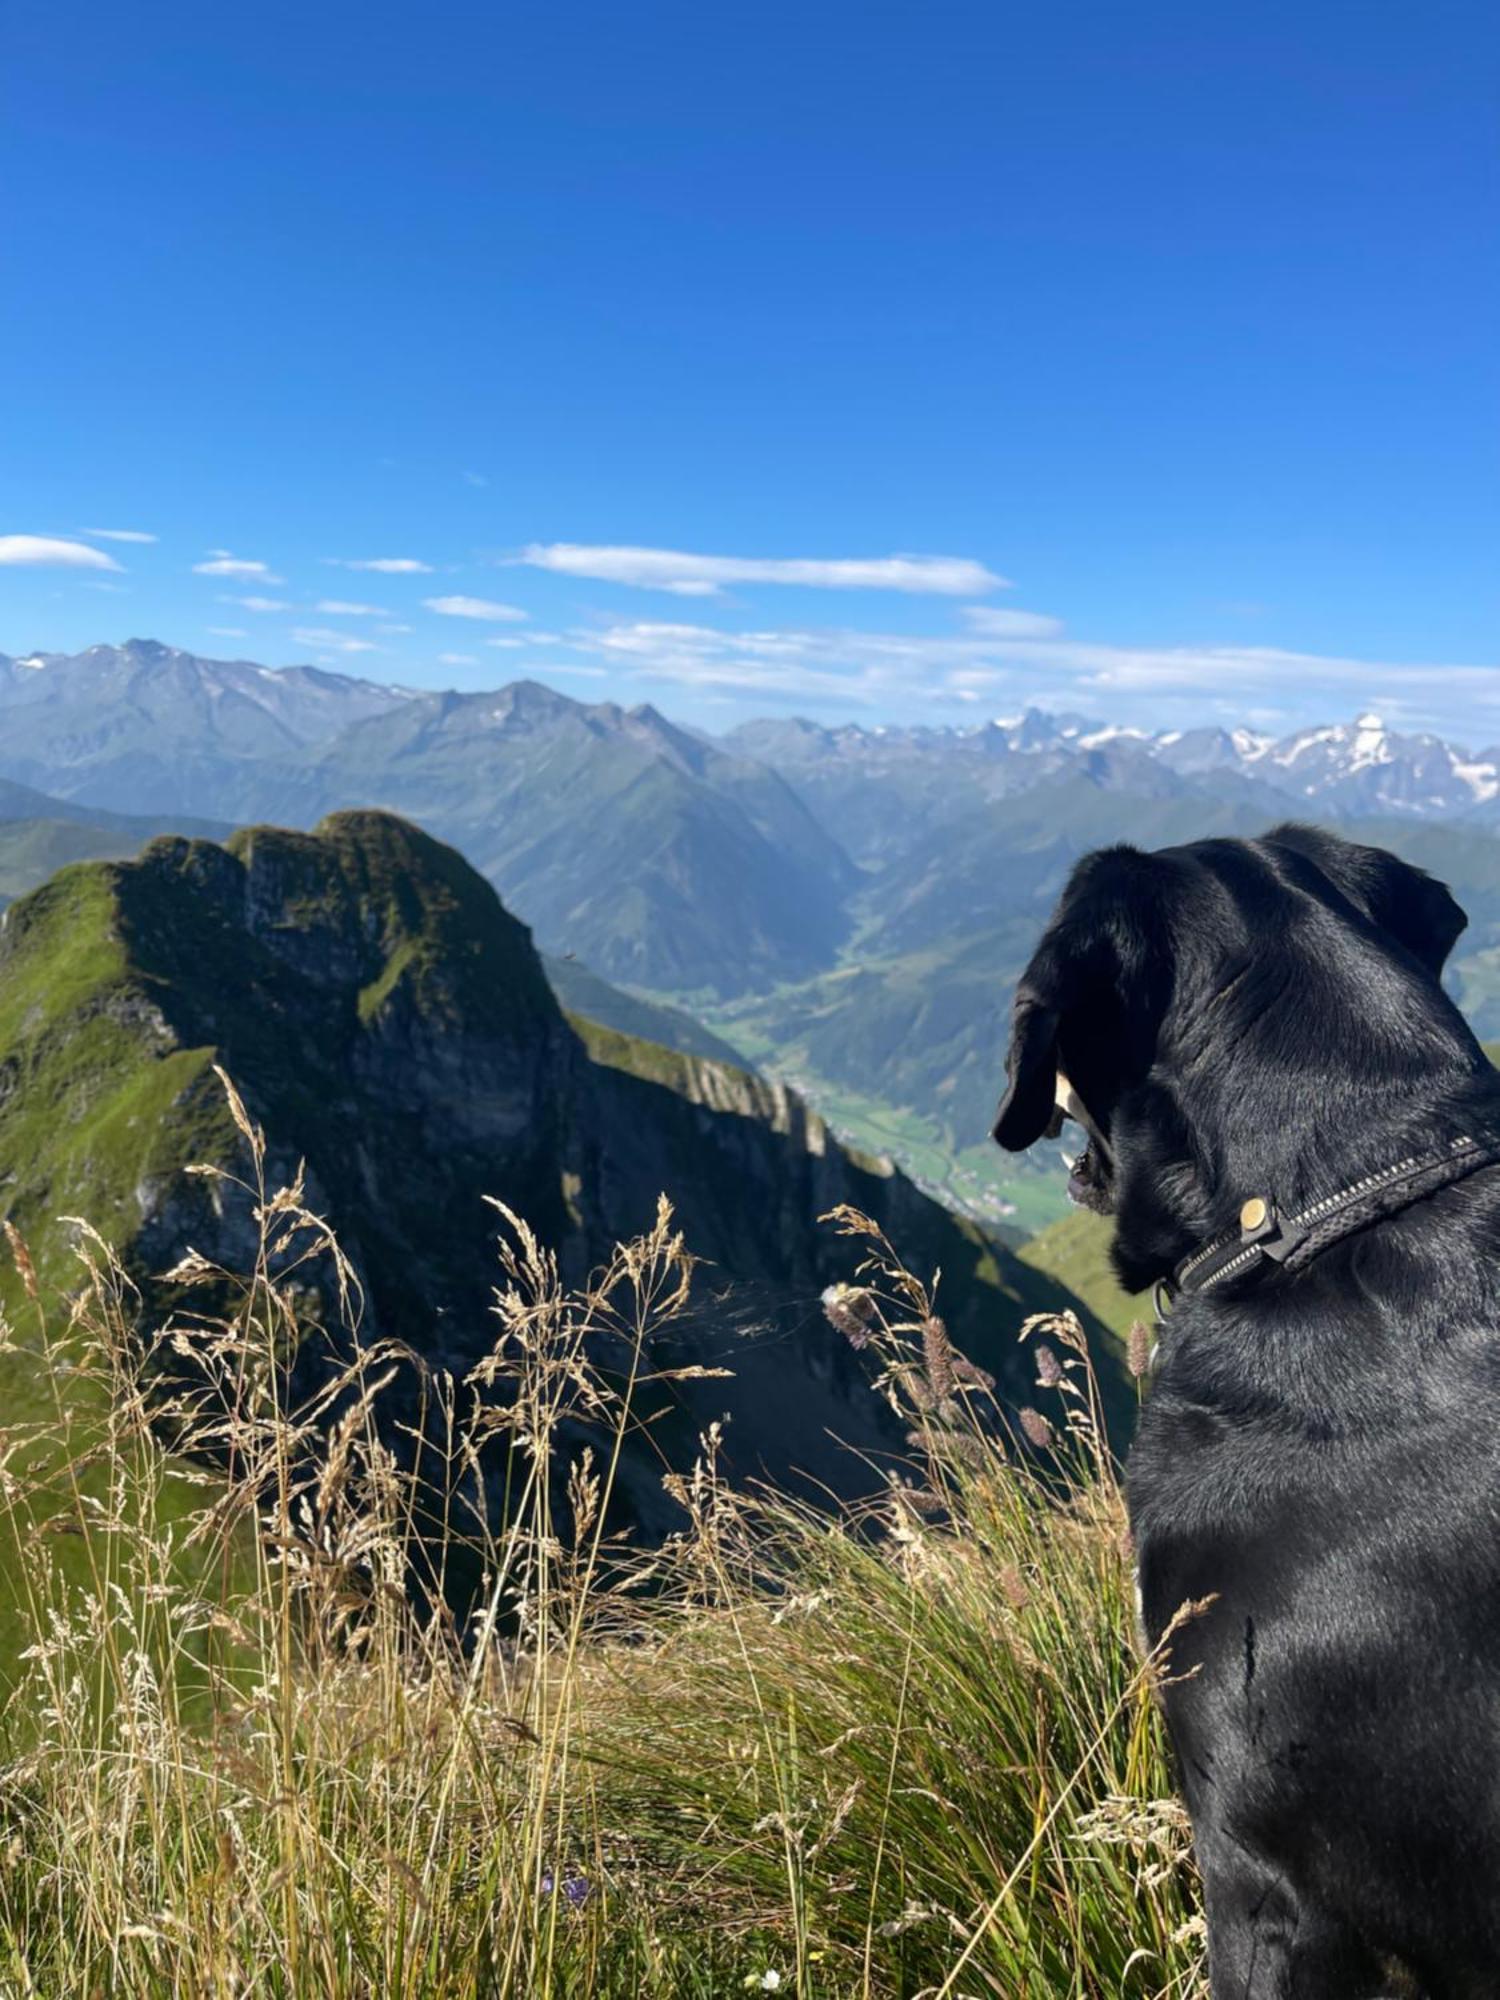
(1339, 768)
(39, 833)
(652, 853)
(147, 727)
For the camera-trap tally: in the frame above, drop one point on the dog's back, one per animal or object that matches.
(1296, 1131)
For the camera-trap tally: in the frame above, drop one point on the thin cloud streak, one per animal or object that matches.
(996, 623)
(687, 575)
(332, 642)
(382, 565)
(473, 607)
(221, 563)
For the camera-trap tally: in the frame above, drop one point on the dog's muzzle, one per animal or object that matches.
(1091, 1174)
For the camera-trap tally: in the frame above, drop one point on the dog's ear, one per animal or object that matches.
(1030, 1100)
(1407, 903)
(1091, 985)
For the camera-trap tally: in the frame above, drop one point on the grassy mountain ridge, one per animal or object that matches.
(584, 993)
(390, 1024)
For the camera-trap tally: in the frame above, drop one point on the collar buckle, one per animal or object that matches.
(1261, 1228)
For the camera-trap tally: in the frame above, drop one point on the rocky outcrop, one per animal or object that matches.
(390, 1025)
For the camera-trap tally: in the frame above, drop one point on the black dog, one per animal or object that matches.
(1297, 1134)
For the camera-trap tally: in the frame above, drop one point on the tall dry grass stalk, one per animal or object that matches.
(340, 1680)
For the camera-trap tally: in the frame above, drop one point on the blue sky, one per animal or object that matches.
(1161, 341)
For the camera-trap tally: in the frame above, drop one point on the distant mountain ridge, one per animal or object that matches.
(85, 722)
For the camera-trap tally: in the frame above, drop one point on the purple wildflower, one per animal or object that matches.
(577, 1888)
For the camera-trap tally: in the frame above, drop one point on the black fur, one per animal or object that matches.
(1320, 1452)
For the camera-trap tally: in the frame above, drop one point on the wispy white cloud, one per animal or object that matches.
(900, 673)
(457, 660)
(51, 552)
(393, 629)
(509, 645)
(338, 607)
(221, 563)
(228, 632)
(258, 603)
(473, 607)
(475, 479)
(996, 623)
(117, 535)
(705, 576)
(383, 565)
(332, 642)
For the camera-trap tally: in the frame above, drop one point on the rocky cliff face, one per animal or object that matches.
(388, 1023)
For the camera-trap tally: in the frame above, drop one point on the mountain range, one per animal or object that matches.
(846, 906)
(105, 724)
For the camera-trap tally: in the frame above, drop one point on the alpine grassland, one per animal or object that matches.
(304, 1698)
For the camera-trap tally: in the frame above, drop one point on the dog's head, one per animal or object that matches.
(1203, 1013)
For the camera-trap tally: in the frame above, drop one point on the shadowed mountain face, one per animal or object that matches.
(389, 1023)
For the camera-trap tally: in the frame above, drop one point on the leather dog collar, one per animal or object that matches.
(1264, 1236)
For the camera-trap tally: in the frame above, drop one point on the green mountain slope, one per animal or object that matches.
(1075, 1252)
(657, 857)
(584, 993)
(389, 1023)
(38, 834)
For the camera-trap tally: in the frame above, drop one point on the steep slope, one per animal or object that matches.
(584, 993)
(389, 1023)
(656, 857)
